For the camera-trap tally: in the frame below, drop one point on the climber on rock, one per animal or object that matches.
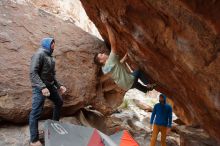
(44, 85)
(162, 122)
(116, 68)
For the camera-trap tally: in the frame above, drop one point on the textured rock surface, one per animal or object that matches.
(177, 43)
(194, 137)
(21, 29)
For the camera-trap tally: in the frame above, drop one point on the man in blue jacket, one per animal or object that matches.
(44, 85)
(163, 120)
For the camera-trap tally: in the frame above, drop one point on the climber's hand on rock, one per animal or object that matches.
(104, 17)
(45, 92)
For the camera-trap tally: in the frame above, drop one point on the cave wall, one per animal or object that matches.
(176, 43)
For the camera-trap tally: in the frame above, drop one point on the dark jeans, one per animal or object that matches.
(139, 75)
(37, 108)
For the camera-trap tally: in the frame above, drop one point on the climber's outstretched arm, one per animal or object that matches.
(110, 31)
(112, 38)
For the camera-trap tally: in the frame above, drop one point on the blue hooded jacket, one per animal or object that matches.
(163, 114)
(46, 45)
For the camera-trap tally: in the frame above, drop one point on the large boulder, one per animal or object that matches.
(177, 44)
(21, 29)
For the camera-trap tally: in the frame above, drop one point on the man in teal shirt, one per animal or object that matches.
(112, 65)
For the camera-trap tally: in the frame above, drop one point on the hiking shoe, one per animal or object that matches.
(151, 86)
(37, 143)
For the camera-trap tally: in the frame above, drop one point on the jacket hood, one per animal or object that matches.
(164, 97)
(46, 44)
